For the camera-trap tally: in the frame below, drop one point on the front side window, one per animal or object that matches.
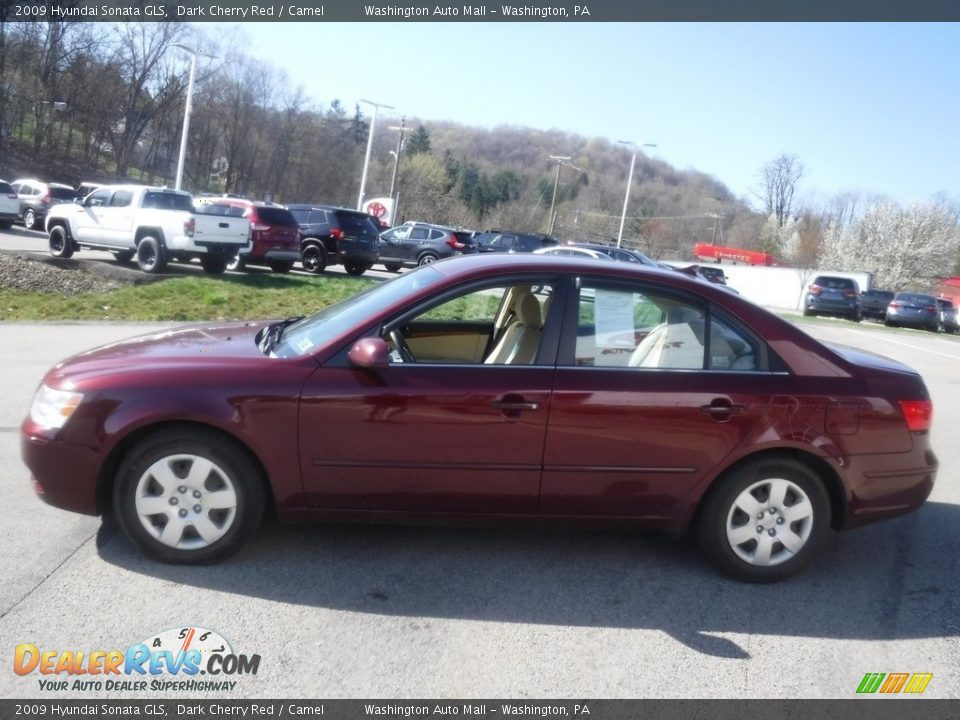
(121, 198)
(98, 199)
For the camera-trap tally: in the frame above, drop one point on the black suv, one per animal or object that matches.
(36, 197)
(873, 303)
(334, 235)
(510, 242)
(415, 243)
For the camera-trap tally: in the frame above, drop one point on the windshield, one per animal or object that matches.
(316, 331)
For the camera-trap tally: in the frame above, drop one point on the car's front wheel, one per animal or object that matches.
(766, 520)
(188, 496)
(60, 243)
(313, 257)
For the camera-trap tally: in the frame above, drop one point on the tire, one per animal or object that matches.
(313, 257)
(188, 496)
(354, 269)
(151, 256)
(123, 256)
(281, 267)
(392, 267)
(857, 318)
(60, 245)
(752, 548)
(237, 263)
(213, 264)
(808, 313)
(426, 259)
(29, 219)
(5, 224)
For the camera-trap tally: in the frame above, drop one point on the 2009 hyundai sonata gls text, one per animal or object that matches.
(497, 387)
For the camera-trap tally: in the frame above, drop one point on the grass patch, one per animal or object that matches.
(233, 297)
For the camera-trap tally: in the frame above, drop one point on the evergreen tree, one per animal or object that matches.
(419, 141)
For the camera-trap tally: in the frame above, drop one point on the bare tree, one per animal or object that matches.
(778, 183)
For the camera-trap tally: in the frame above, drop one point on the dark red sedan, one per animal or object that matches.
(495, 386)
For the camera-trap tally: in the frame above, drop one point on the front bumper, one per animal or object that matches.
(64, 474)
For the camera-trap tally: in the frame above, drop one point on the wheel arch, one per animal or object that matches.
(143, 232)
(108, 471)
(820, 467)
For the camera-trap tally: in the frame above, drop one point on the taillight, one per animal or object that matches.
(918, 414)
(336, 233)
(190, 227)
(258, 226)
(815, 289)
(894, 305)
(455, 244)
(931, 308)
(849, 293)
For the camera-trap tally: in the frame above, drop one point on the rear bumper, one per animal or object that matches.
(359, 256)
(921, 321)
(889, 485)
(831, 306)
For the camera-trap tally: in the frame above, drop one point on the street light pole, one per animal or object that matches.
(366, 158)
(402, 128)
(626, 198)
(186, 112)
(560, 160)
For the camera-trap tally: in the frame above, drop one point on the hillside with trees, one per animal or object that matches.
(100, 102)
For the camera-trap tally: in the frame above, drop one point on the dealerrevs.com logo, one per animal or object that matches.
(188, 659)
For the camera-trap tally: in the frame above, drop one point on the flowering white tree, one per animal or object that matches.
(904, 247)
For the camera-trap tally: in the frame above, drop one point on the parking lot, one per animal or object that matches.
(375, 611)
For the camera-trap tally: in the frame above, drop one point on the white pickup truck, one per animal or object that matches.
(152, 224)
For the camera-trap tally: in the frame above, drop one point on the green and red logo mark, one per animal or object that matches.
(894, 683)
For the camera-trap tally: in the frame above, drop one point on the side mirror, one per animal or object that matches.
(371, 353)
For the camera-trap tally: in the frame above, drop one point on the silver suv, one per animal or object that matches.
(416, 243)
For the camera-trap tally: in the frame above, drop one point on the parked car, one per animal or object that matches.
(333, 235)
(562, 388)
(9, 205)
(505, 241)
(713, 274)
(416, 243)
(37, 197)
(152, 224)
(910, 309)
(620, 254)
(85, 188)
(948, 316)
(831, 295)
(873, 303)
(572, 251)
(274, 233)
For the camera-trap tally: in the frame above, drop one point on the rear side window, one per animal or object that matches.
(121, 198)
(275, 216)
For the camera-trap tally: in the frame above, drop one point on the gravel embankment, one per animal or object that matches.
(39, 274)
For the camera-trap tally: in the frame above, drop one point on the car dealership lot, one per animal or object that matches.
(364, 611)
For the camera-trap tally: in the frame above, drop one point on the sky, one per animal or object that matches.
(872, 108)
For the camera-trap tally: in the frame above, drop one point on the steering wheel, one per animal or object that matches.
(400, 345)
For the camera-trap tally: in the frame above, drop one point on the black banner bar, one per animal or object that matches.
(482, 10)
(875, 708)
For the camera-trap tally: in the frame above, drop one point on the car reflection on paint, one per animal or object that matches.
(495, 386)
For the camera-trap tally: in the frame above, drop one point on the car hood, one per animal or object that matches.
(221, 344)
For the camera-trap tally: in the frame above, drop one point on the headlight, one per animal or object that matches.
(51, 408)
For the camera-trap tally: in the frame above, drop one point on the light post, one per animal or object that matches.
(560, 160)
(366, 159)
(626, 198)
(402, 129)
(186, 112)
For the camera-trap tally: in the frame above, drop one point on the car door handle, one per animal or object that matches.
(721, 410)
(513, 405)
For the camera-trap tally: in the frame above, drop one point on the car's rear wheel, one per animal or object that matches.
(426, 259)
(123, 256)
(392, 267)
(808, 313)
(281, 266)
(213, 264)
(151, 256)
(355, 269)
(766, 520)
(188, 496)
(29, 219)
(60, 245)
(313, 257)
